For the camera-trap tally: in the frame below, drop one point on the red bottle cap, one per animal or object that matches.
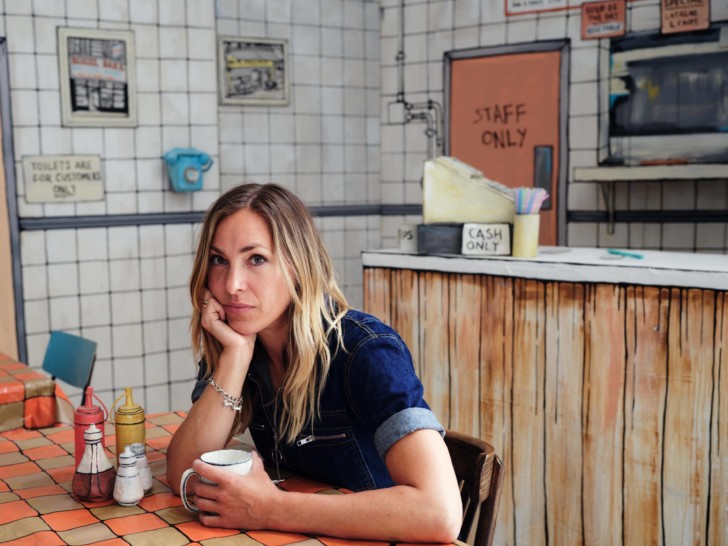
(88, 413)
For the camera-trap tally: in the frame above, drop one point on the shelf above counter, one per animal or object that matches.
(643, 173)
(577, 264)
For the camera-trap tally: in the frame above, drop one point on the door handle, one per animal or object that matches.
(542, 169)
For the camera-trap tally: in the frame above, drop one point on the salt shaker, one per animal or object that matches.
(142, 465)
(128, 489)
(93, 480)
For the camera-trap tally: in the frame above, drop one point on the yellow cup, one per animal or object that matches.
(525, 235)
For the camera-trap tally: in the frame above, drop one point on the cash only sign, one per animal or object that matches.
(63, 178)
(486, 239)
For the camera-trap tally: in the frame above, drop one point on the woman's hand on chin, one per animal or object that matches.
(213, 320)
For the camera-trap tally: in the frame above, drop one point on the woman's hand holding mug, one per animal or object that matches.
(232, 460)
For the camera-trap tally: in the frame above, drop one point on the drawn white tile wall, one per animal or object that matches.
(324, 145)
(177, 92)
(124, 287)
(462, 24)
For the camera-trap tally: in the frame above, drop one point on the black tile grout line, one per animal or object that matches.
(120, 220)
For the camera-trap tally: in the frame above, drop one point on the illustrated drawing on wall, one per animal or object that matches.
(98, 77)
(667, 97)
(253, 71)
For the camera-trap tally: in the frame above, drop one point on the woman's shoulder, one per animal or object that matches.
(357, 324)
(361, 330)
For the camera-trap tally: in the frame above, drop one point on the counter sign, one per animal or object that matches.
(486, 239)
(602, 19)
(684, 15)
(63, 178)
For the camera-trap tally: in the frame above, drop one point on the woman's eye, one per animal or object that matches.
(215, 259)
(257, 259)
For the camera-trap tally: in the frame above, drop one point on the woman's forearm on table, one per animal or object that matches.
(399, 513)
(207, 427)
(424, 506)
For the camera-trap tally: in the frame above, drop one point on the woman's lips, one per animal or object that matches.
(236, 308)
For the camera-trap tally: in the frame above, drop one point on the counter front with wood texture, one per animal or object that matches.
(602, 383)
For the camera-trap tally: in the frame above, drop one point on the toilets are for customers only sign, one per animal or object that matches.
(63, 178)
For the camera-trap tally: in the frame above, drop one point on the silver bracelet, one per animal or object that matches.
(236, 404)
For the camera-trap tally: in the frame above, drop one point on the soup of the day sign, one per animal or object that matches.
(602, 19)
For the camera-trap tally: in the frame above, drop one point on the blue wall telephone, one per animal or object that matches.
(185, 167)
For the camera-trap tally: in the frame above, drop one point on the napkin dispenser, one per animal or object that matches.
(454, 191)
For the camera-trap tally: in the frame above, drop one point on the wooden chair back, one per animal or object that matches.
(479, 471)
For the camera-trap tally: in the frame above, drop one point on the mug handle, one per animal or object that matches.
(183, 490)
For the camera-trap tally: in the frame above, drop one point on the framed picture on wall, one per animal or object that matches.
(98, 77)
(253, 71)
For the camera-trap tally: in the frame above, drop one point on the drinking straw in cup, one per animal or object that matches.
(528, 203)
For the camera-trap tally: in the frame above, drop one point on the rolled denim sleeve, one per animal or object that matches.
(401, 424)
(385, 392)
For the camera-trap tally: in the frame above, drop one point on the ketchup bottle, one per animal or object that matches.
(83, 417)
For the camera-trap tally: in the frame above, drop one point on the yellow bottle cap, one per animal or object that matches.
(129, 407)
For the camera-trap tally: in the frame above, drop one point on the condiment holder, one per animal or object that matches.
(128, 489)
(142, 464)
(94, 479)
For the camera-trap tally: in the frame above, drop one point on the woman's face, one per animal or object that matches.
(245, 277)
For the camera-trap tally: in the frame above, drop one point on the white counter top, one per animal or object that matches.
(593, 265)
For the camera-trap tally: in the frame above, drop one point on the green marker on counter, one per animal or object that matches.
(625, 253)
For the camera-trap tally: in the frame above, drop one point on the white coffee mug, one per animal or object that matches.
(236, 461)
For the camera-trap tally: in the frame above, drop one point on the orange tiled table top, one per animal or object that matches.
(27, 397)
(37, 508)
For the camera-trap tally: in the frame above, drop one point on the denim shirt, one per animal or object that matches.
(371, 399)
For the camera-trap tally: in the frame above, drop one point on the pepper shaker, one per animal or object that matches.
(128, 489)
(142, 465)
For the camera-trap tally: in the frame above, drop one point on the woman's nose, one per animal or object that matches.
(236, 280)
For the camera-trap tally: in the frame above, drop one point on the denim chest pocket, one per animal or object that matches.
(331, 453)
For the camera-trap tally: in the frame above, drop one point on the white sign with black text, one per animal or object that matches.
(486, 239)
(63, 178)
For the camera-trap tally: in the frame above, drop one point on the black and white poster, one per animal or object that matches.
(253, 71)
(97, 77)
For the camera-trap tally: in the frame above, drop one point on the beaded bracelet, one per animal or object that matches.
(235, 404)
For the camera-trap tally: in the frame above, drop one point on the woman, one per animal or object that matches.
(325, 390)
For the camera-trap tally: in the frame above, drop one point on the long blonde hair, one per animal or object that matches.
(316, 308)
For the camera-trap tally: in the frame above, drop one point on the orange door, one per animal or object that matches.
(504, 120)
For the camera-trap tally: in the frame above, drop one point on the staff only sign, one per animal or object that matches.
(486, 239)
(63, 178)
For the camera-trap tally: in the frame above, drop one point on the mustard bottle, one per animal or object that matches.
(128, 423)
